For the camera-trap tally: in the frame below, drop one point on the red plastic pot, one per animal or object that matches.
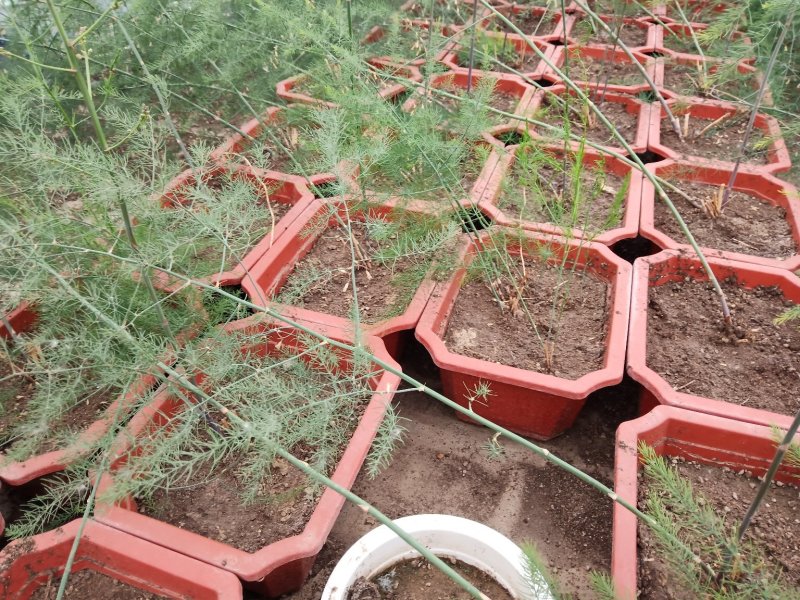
(29, 563)
(280, 567)
(530, 403)
(671, 431)
(551, 25)
(281, 188)
(667, 84)
(666, 35)
(764, 188)
(709, 111)
(420, 10)
(631, 104)
(271, 272)
(629, 227)
(605, 54)
(692, 9)
(520, 47)
(20, 319)
(675, 265)
(377, 33)
(613, 21)
(504, 84)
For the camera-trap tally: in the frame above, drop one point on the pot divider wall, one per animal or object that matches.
(283, 565)
(672, 266)
(707, 439)
(29, 563)
(763, 187)
(21, 319)
(533, 404)
(520, 47)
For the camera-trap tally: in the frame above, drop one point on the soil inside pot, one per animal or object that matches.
(688, 80)
(687, 344)
(721, 142)
(498, 99)
(602, 202)
(406, 43)
(602, 71)
(586, 123)
(416, 579)
(775, 529)
(445, 11)
(586, 32)
(572, 320)
(15, 392)
(748, 225)
(523, 61)
(89, 584)
(321, 281)
(529, 22)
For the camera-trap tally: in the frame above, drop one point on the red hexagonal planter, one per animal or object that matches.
(611, 103)
(530, 67)
(607, 55)
(29, 563)
(271, 272)
(628, 228)
(675, 73)
(709, 112)
(698, 437)
(762, 187)
(377, 33)
(643, 31)
(508, 87)
(536, 22)
(530, 403)
(672, 266)
(283, 565)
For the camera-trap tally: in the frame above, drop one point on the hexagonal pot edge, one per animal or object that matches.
(115, 554)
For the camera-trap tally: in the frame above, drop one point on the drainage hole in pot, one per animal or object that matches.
(543, 83)
(327, 189)
(25, 499)
(649, 157)
(654, 54)
(416, 579)
(633, 248)
(222, 309)
(400, 98)
(512, 138)
(472, 219)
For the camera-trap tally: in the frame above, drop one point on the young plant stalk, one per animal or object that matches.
(472, 44)
(676, 126)
(756, 106)
(726, 313)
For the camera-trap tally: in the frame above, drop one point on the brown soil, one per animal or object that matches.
(530, 23)
(747, 225)
(330, 258)
(688, 346)
(417, 580)
(626, 123)
(524, 62)
(611, 7)
(721, 142)
(480, 329)
(498, 100)
(15, 393)
(631, 35)
(76, 419)
(442, 467)
(445, 11)
(594, 216)
(211, 505)
(603, 72)
(775, 528)
(699, 12)
(687, 80)
(89, 584)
